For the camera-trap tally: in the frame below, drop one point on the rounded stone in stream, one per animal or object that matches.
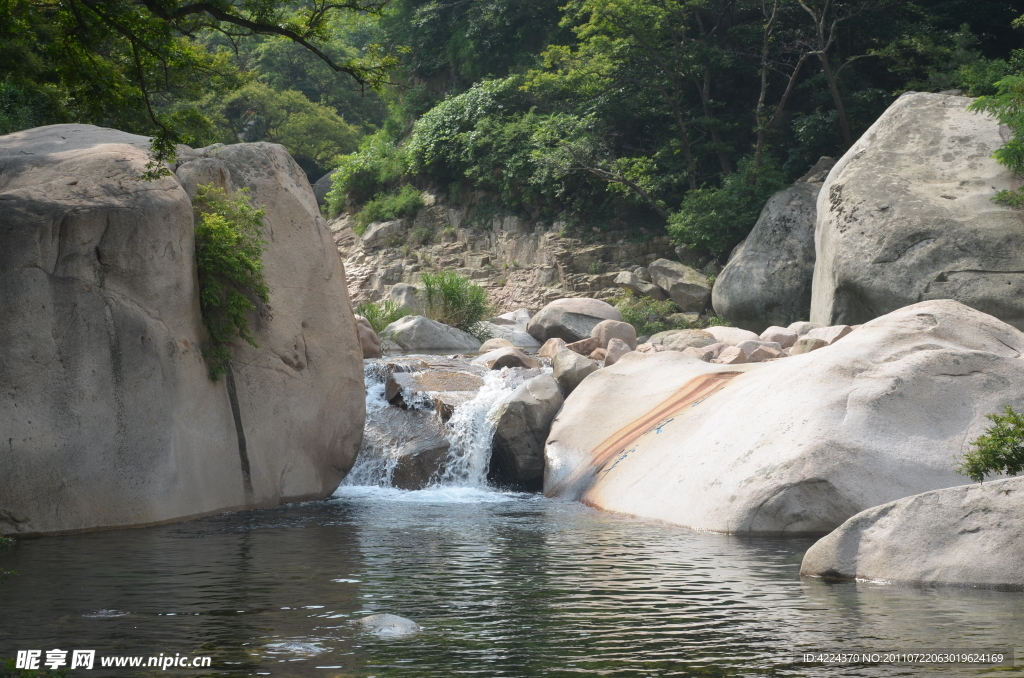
(388, 625)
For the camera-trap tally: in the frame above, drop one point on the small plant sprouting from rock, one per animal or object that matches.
(997, 451)
(229, 255)
(380, 314)
(454, 300)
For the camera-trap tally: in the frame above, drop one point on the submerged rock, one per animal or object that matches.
(115, 421)
(878, 416)
(963, 536)
(388, 625)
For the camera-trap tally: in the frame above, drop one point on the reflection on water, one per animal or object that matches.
(504, 585)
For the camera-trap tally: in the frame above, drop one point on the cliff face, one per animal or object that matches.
(522, 263)
(107, 413)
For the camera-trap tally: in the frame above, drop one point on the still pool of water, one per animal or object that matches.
(503, 584)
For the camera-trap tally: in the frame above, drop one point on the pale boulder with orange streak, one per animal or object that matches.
(793, 446)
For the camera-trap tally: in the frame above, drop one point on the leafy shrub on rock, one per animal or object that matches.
(229, 251)
(380, 314)
(456, 301)
(999, 450)
(389, 206)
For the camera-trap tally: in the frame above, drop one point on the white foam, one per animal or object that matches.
(431, 495)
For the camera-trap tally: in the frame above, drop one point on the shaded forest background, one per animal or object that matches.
(645, 115)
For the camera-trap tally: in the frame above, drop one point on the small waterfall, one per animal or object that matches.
(471, 430)
(391, 430)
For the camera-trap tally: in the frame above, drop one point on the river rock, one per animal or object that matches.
(631, 282)
(762, 353)
(616, 349)
(383, 234)
(750, 346)
(522, 425)
(494, 343)
(570, 368)
(677, 341)
(768, 281)
(731, 335)
(689, 289)
(407, 297)
(831, 334)
(570, 319)
(551, 348)
(420, 464)
(108, 415)
(417, 333)
(368, 340)
(388, 625)
(506, 357)
(907, 215)
(598, 354)
(704, 354)
(584, 346)
(733, 355)
(782, 336)
(517, 337)
(877, 417)
(962, 536)
(606, 330)
(802, 327)
(806, 345)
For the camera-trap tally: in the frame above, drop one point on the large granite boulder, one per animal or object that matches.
(417, 333)
(907, 215)
(963, 536)
(768, 280)
(522, 425)
(794, 446)
(108, 413)
(570, 319)
(322, 187)
(688, 288)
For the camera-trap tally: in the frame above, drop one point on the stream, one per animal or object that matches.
(503, 584)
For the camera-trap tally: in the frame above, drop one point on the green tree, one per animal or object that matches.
(999, 450)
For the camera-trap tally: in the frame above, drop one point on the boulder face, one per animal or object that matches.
(906, 215)
(793, 446)
(962, 536)
(688, 288)
(522, 424)
(768, 281)
(417, 333)
(110, 415)
(570, 319)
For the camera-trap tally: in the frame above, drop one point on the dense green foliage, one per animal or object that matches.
(455, 300)
(229, 251)
(7, 670)
(1008, 106)
(387, 206)
(380, 314)
(649, 316)
(676, 116)
(999, 450)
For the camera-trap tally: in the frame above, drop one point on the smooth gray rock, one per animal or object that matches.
(768, 280)
(570, 368)
(689, 289)
(750, 345)
(907, 215)
(731, 335)
(606, 330)
(322, 187)
(790, 446)
(615, 350)
(631, 282)
(108, 416)
(388, 625)
(417, 333)
(963, 536)
(511, 333)
(683, 339)
(570, 319)
(406, 296)
(383, 234)
(522, 425)
(420, 464)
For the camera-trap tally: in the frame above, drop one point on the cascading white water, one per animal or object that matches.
(468, 432)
